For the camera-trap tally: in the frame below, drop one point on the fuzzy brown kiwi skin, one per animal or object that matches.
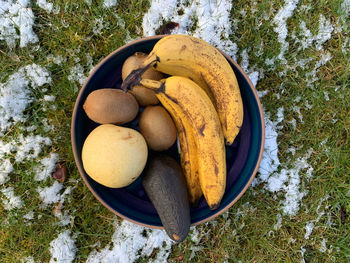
(110, 106)
(158, 128)
(165, 186)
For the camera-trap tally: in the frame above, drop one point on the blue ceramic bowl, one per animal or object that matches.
(131, 203)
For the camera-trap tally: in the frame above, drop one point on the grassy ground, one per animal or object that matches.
(251, 236)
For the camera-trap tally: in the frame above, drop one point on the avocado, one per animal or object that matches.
(165, 185)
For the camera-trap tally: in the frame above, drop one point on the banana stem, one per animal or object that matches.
(134, 78)
(156, 86)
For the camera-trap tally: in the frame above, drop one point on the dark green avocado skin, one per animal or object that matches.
(165, 186)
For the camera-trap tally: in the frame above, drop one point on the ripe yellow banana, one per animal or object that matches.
(190, 57)
(191, 103)
(188, 151)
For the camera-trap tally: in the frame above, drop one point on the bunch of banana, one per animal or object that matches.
(187, 56)
(204, 100)
(200, 132)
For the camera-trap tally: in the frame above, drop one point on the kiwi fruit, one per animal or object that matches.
(158, 128)
(111, 106)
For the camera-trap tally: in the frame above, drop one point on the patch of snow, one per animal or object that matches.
(325, 30)
(12, 201)
(302, 252)
(308, 229)
(307, 105)
(262, 93)
(293, 122)
(285, 180)
(305, 8)
(307, 36)
(326, 95)
(323, 247)
(293, 193)
(77, 74)
(49, 98)
(297, 110)
(310, 226)
(15, 93)
(48, 7)
(278, 224)
(65, 218)
(50, 194)
(130, 242)
(89, 62)
(194, 250)
(280, 21)
(47, 127)
(303, 62)
(28, 259)
(120, 21)
(6, 168)
(291, 150)
(270, 161)
(30, 147)
(37, 75)
(312, 75)
(17, 15)
(270, 62)
(29, 215)
(109, 3)
(58, 60)
(345, 7)
(212, 21)
(98, 26)
(63, 248)
(46, 167)
(254, 77)
(245, 60)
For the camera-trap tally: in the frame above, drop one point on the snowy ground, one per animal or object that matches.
(209, 20)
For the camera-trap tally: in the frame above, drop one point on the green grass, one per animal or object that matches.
(248, 238)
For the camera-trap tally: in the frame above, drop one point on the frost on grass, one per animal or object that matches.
(109, 3)
(5, 169)
(325, 30)
(16, 95)
(208, 20)
(11, 201)
(30, 147)
(63, 248)
(58, 60)
(50, 194)
(280, 21)
(311, 76)
(270, 161)
(48, 7)
(345, 8)
(98, 26)
(130, 242)
(277, 177)
(16, 22)
(46, 167)
(77, 74)
(320, 213)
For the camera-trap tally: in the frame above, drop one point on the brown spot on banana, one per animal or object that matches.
(183, 48)
(216, 168)
(201, 129)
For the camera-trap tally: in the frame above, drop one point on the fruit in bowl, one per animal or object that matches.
(211, 103)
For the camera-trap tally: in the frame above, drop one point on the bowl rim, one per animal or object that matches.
(80, 169)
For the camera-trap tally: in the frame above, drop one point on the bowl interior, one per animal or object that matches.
(131, 202)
